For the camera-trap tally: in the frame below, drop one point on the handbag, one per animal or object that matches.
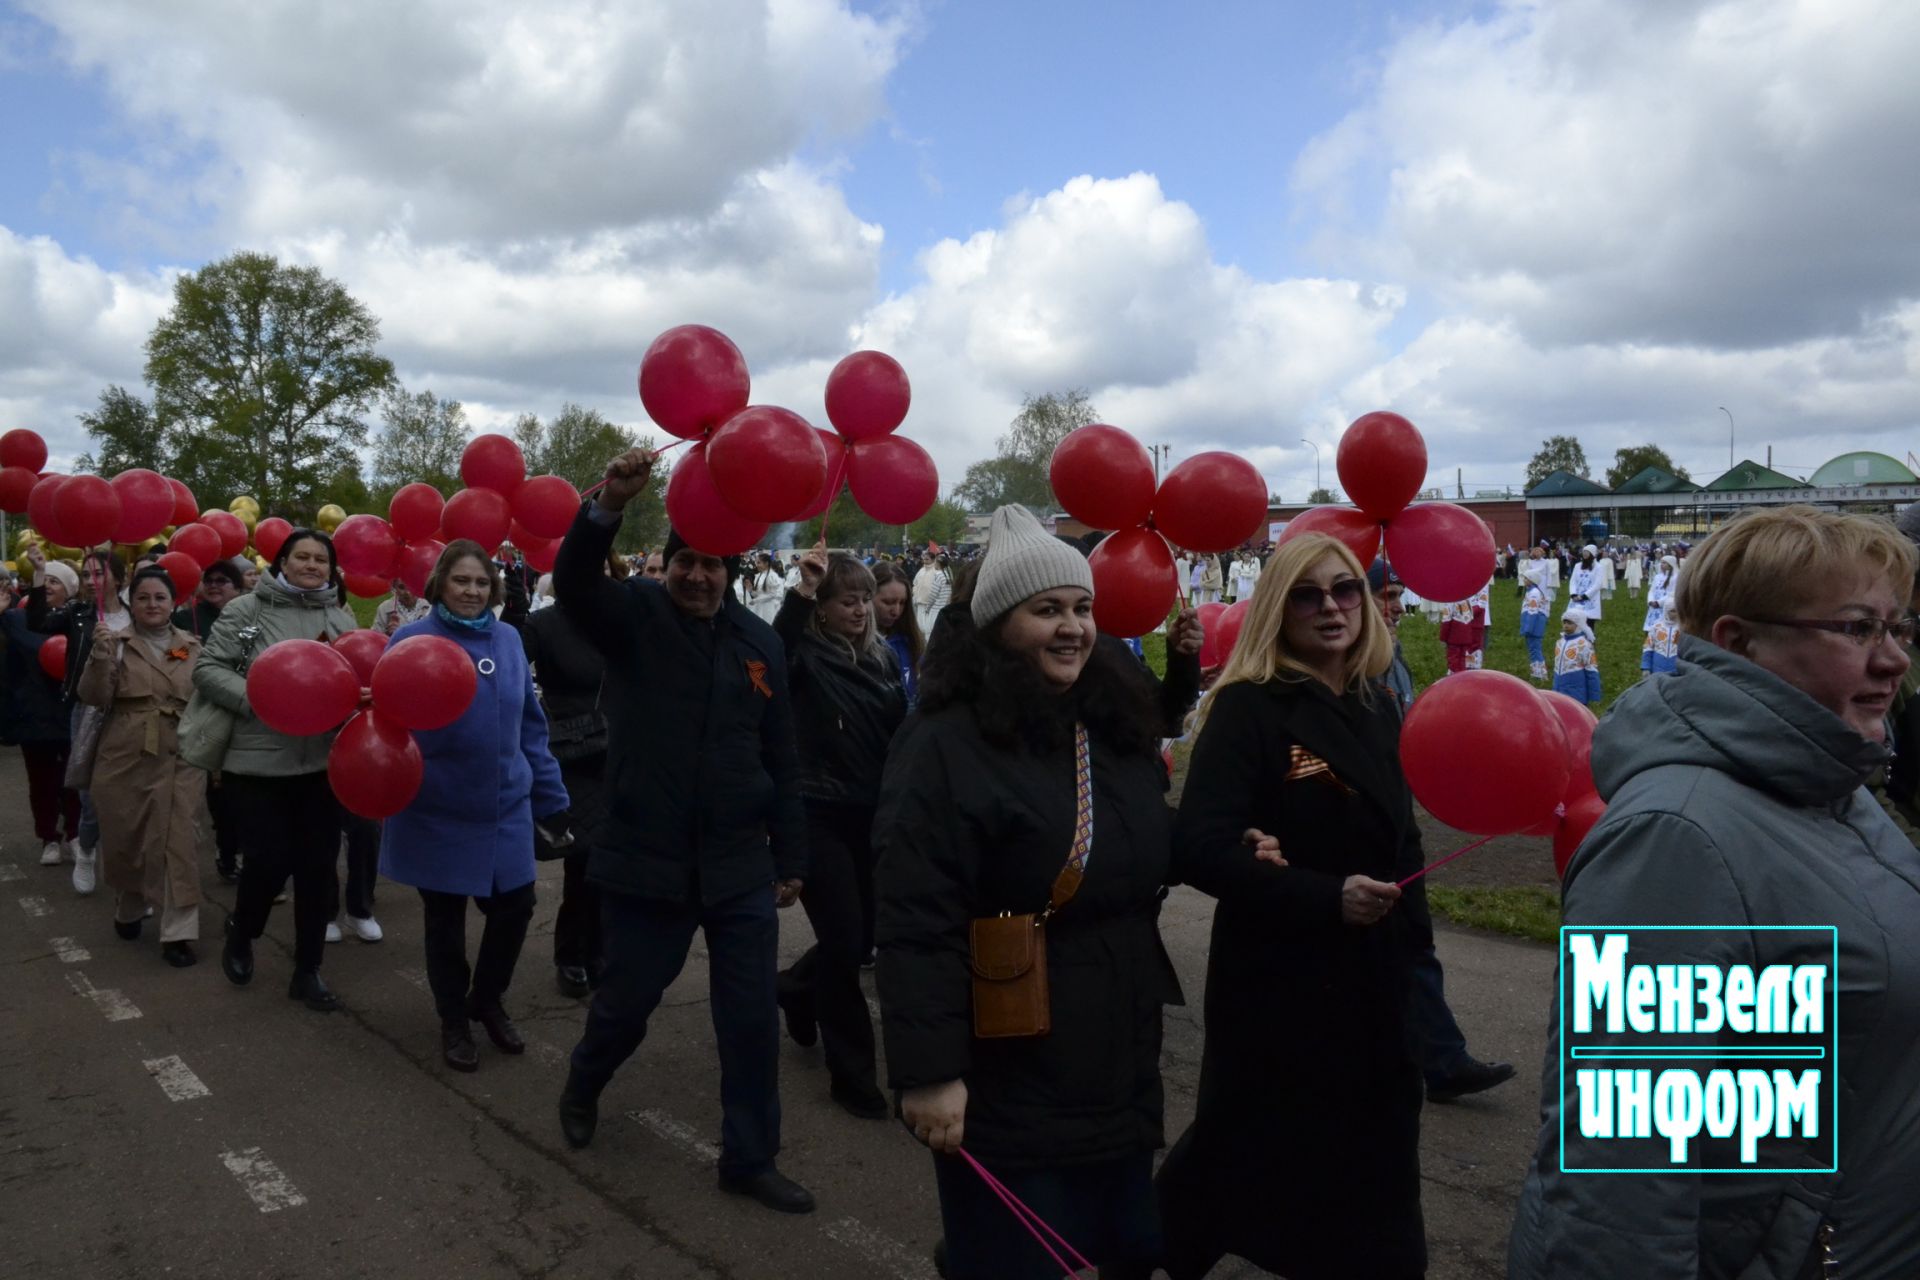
(1008, 953)
(206, 727)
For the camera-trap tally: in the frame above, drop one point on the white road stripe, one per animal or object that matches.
(108, 1001)
(35, 906)
(69, 950)
(418, 977)
(176, 1079)
(9, 872)
(882, 1252)
(873, 1008)
(269, 1189)
(676, 1133)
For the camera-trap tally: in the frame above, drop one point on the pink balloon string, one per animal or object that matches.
(657, 455)
(833, 488)
(1027, 1218)
(1434, 866)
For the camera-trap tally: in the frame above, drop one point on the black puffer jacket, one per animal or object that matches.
(32, 711)
(967, 829)
(845, 709)
(76, 621)
(703, 783)
(570, 673)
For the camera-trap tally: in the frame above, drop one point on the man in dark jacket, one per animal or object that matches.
(703, 829)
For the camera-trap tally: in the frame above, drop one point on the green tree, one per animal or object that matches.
(577, 445)
(260, 374)
(1018, 471)
(1557, 453)
(1321, 495)
(123, 431)
(1631, 461)
(421, 441)
(945, 523)
(846, 525)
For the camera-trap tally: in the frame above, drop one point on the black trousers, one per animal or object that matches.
(226, 827)
(1105, 1211)
(288, 827)
(838, 899)
(363, 866)
(576, 927)
(458, 989)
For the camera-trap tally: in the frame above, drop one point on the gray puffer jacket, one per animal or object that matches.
(244, 630)
(1735, 799)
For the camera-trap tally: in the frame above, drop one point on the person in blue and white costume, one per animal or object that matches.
(1660, 588)
(1584, 583)
(1533, 629)
(1661, 654)
(1576, 665)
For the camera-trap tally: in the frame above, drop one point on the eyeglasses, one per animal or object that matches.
(1306, 599)
(1865, 632)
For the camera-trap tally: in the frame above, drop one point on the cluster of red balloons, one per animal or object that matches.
(1440, 550)
(305, 687)
(753, 466)
(1488, 753)
(1104, 477)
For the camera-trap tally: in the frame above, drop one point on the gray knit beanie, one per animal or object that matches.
(1023, 560)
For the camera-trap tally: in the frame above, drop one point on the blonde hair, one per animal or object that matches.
(845, 574)
(1260, 655)
(1764, 562)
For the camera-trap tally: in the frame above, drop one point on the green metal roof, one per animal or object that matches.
(1657, 480)
(1564, 484)
(1862, 468)
(1749, 474)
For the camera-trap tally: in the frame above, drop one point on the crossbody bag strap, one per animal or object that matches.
(1067, 883)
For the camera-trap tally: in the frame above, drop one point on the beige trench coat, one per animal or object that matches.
(148, 800)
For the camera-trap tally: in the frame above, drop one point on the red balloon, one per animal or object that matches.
(415, 511)
(16, 489)
(546, 506)
(1582, 814)
(1441, 551)
(1484, 753)
(185, 509)
(1104, 477)
(493, 462)
(183, 570)
(366, 587)
(1134, 584)
(1210, 655)
(41, 513)
(270, 535)
(1211, 502)
(893, 479)
(53, 654)
(836, 448)
(200, 541)
(480, 514)
(1360, 531)
(702, 517)
(146, 504)
(540, 552)
(362, 650)
(23, 448)
(89, 511)
(867, 395)
(424, 682)
(374, 766)
(302, 687)
(692, 379)
(1579, 724)
(1231, 624)
(415, 565)
(364, 544)
(767, 462)
(1382, 462)
(231, 528)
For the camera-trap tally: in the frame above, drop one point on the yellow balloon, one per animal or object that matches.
(328, 518)
(12, 567)
(145, 547)
(243, 502)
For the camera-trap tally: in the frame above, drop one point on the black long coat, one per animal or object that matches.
(1304, 1152)
(846, 709)
(966, 829)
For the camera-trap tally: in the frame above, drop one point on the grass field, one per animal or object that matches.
(1618, 633)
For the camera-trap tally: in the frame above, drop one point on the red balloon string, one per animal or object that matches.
(1431, 866)
(657, 455)
(833, 488)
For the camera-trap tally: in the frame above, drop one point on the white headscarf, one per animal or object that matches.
(1578, 617)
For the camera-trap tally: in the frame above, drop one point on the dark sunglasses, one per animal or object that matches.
(1305, 599)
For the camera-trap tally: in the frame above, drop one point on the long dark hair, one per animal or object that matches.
(1017, 707)
(908, 624)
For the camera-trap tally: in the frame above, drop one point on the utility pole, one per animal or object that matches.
(1162, 453)
(1317, 487)
(1729, 414)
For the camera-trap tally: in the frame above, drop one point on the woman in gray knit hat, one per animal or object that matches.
(1028, 782)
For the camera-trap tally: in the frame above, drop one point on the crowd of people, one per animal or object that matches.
(959, 778)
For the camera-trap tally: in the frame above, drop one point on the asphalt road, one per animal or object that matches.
(159, 1122)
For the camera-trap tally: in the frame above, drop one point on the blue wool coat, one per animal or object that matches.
(488, 775)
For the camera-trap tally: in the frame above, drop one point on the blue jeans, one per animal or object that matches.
(645, 943)
(1440, 1043)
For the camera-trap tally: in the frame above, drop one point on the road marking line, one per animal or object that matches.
(873, 1008)
(269, 1189)
(882, 1251)
(9, 872)
(418, 977)
(679, 1135)
(176, 1079)
(35, 906)
(108, 1000)
(69, 950)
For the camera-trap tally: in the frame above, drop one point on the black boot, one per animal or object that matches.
(128, 929)
(1469, 1076)
(861, 1098)
(572, 981)
(579, 1111)
(456, 1045)
(310, 991)
(178, 954)
(236, 957)
(499, 1027)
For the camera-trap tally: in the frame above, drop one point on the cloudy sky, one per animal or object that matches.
(1237, 224)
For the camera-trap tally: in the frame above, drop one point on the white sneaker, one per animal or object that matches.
(50, 854)
(83, 878)
(74, 849)
(367, 930)
(333, 931)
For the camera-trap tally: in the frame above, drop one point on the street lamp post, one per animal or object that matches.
(1316, 462)
(1729, 414)
(1161, 453)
